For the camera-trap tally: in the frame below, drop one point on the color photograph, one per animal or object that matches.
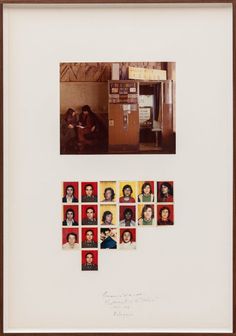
(89, 238)
(89, 260)
(108, 191)
(117, 108)
(108, 214)
(89, 214)
(165, 214)
(127, 239)
(70, 239)
(108, 238)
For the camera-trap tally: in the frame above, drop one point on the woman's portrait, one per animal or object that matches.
(147, 215)
(165, 215)
(165, 192)
(127, 239)
(147, 194)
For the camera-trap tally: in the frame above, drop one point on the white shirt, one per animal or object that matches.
(128, 246)
(67, 246)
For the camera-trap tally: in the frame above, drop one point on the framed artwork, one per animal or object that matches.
(118, 174)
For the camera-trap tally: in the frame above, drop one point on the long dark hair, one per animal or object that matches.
(105, 214)
(70, 186)
(145, 185)
(164, 208)
(70, 210)
(169, 186)
(112, 192)
(147, 206)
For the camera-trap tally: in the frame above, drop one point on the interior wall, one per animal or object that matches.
(76, 94)
(101, 71)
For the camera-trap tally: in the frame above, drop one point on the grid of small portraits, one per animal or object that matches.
(104, 215)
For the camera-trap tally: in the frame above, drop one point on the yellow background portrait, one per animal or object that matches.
(109, 207)
(107, 184)
(133, 186)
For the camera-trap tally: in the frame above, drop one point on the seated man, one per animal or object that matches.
(86, 127)
(92, 130)
(68, 131)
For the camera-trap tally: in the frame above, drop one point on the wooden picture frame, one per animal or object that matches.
(117, 2)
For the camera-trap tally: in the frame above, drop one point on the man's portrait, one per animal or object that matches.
(89, 192)
(89, 238)
(108, 191)
(70, 192)
(165, 191)
(127, 215)
(70, 215)
(108, 238)
(90, 260)
(70, 239)
(165, 214)
(89, 214)
(127, 192)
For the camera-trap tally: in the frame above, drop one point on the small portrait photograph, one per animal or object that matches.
(108, 238)
(127, 215)
(165, 191)
(127, 239)
(108, 214)
(165, 214)
(89, 238)
(89, 260)
(108, 191)
(89, 214)
(145, 191)
(70, 215)
(89, 191)
(70, 239)
(127, 192)
(70, 192)
(146, 214)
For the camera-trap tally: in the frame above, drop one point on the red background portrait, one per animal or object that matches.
(132, 230)
(170, 207)
(159, 189)
(95, 188)
(122, 209)
(65, 232)
(71, 206)
(85, 207)
(140, 186)
(75, 185)
(95, 233)
(95, 256)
